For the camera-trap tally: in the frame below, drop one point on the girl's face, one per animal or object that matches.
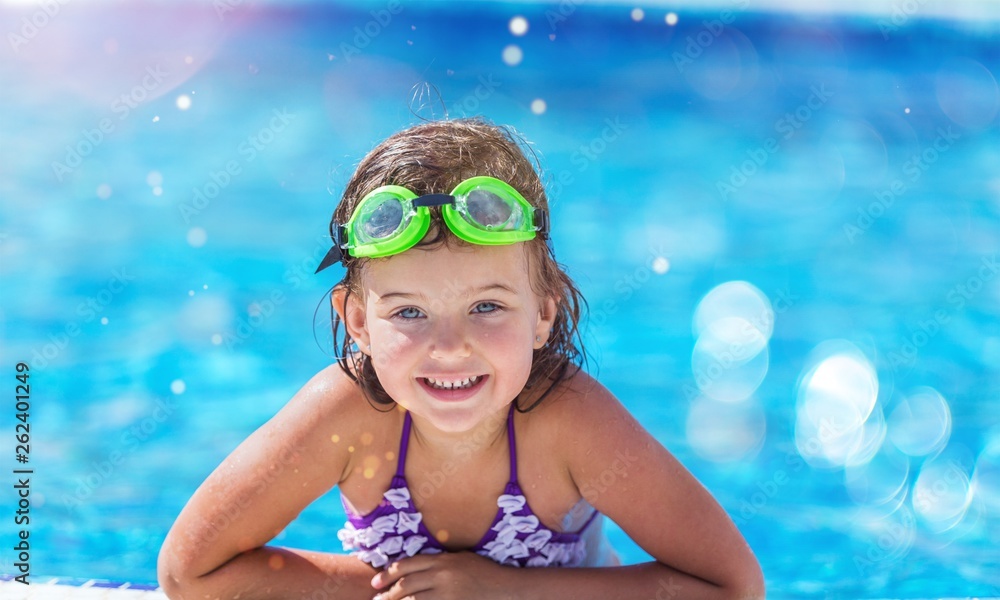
(451, 329)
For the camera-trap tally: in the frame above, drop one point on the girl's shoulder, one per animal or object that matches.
(328, 417)
(575, 398)
(576, 408)
(329, 394)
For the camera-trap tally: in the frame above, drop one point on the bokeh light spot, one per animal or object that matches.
(967, 92)
(512, 55)
(735, 299)
(986, 482)
(518, 25)
(836, 396)
(197, 237)
(921, 423)
(881, 480)
(730, 359)
(942, 493)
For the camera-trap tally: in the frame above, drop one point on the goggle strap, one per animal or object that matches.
(433, 200)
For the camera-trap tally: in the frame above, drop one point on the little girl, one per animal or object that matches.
(468, 445)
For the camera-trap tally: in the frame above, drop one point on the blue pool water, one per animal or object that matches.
(786, 226)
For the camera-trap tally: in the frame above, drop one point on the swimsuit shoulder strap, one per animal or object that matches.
(513, 446)
(404, 441)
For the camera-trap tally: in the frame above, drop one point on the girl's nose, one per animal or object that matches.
(449, 341)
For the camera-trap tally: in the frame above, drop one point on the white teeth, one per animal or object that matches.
(453, 385)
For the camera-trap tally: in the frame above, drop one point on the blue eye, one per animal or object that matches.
(408, 313)
(490, 307)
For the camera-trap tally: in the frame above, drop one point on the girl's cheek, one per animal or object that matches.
(509, 338)
(389, 346)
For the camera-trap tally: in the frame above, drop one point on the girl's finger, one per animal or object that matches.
(413, 584)
(397, 569)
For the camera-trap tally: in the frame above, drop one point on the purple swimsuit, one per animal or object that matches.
(395, 528)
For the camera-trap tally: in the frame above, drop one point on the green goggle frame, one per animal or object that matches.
(391, 219)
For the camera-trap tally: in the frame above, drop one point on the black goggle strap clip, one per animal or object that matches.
(337, 254)
(541, 219)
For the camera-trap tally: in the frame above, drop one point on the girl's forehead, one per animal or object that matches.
(447, 270)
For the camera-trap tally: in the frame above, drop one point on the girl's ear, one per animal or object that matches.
(546, 318)
(352, 312)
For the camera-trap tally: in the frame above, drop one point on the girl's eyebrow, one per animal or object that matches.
(479, 290)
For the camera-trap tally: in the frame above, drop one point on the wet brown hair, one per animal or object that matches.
(433, 158)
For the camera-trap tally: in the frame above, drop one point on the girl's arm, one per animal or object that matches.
(630, 477)
(215, 549)
(461, 575)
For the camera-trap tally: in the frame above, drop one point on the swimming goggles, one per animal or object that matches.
(392, 219)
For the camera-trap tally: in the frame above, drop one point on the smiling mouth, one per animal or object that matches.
(455, 384)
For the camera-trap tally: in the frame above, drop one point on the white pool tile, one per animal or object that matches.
(10, 590)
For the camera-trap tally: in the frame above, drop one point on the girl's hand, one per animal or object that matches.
(445, 576)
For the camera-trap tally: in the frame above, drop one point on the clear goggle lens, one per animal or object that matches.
(384, 217)
(487, 210)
